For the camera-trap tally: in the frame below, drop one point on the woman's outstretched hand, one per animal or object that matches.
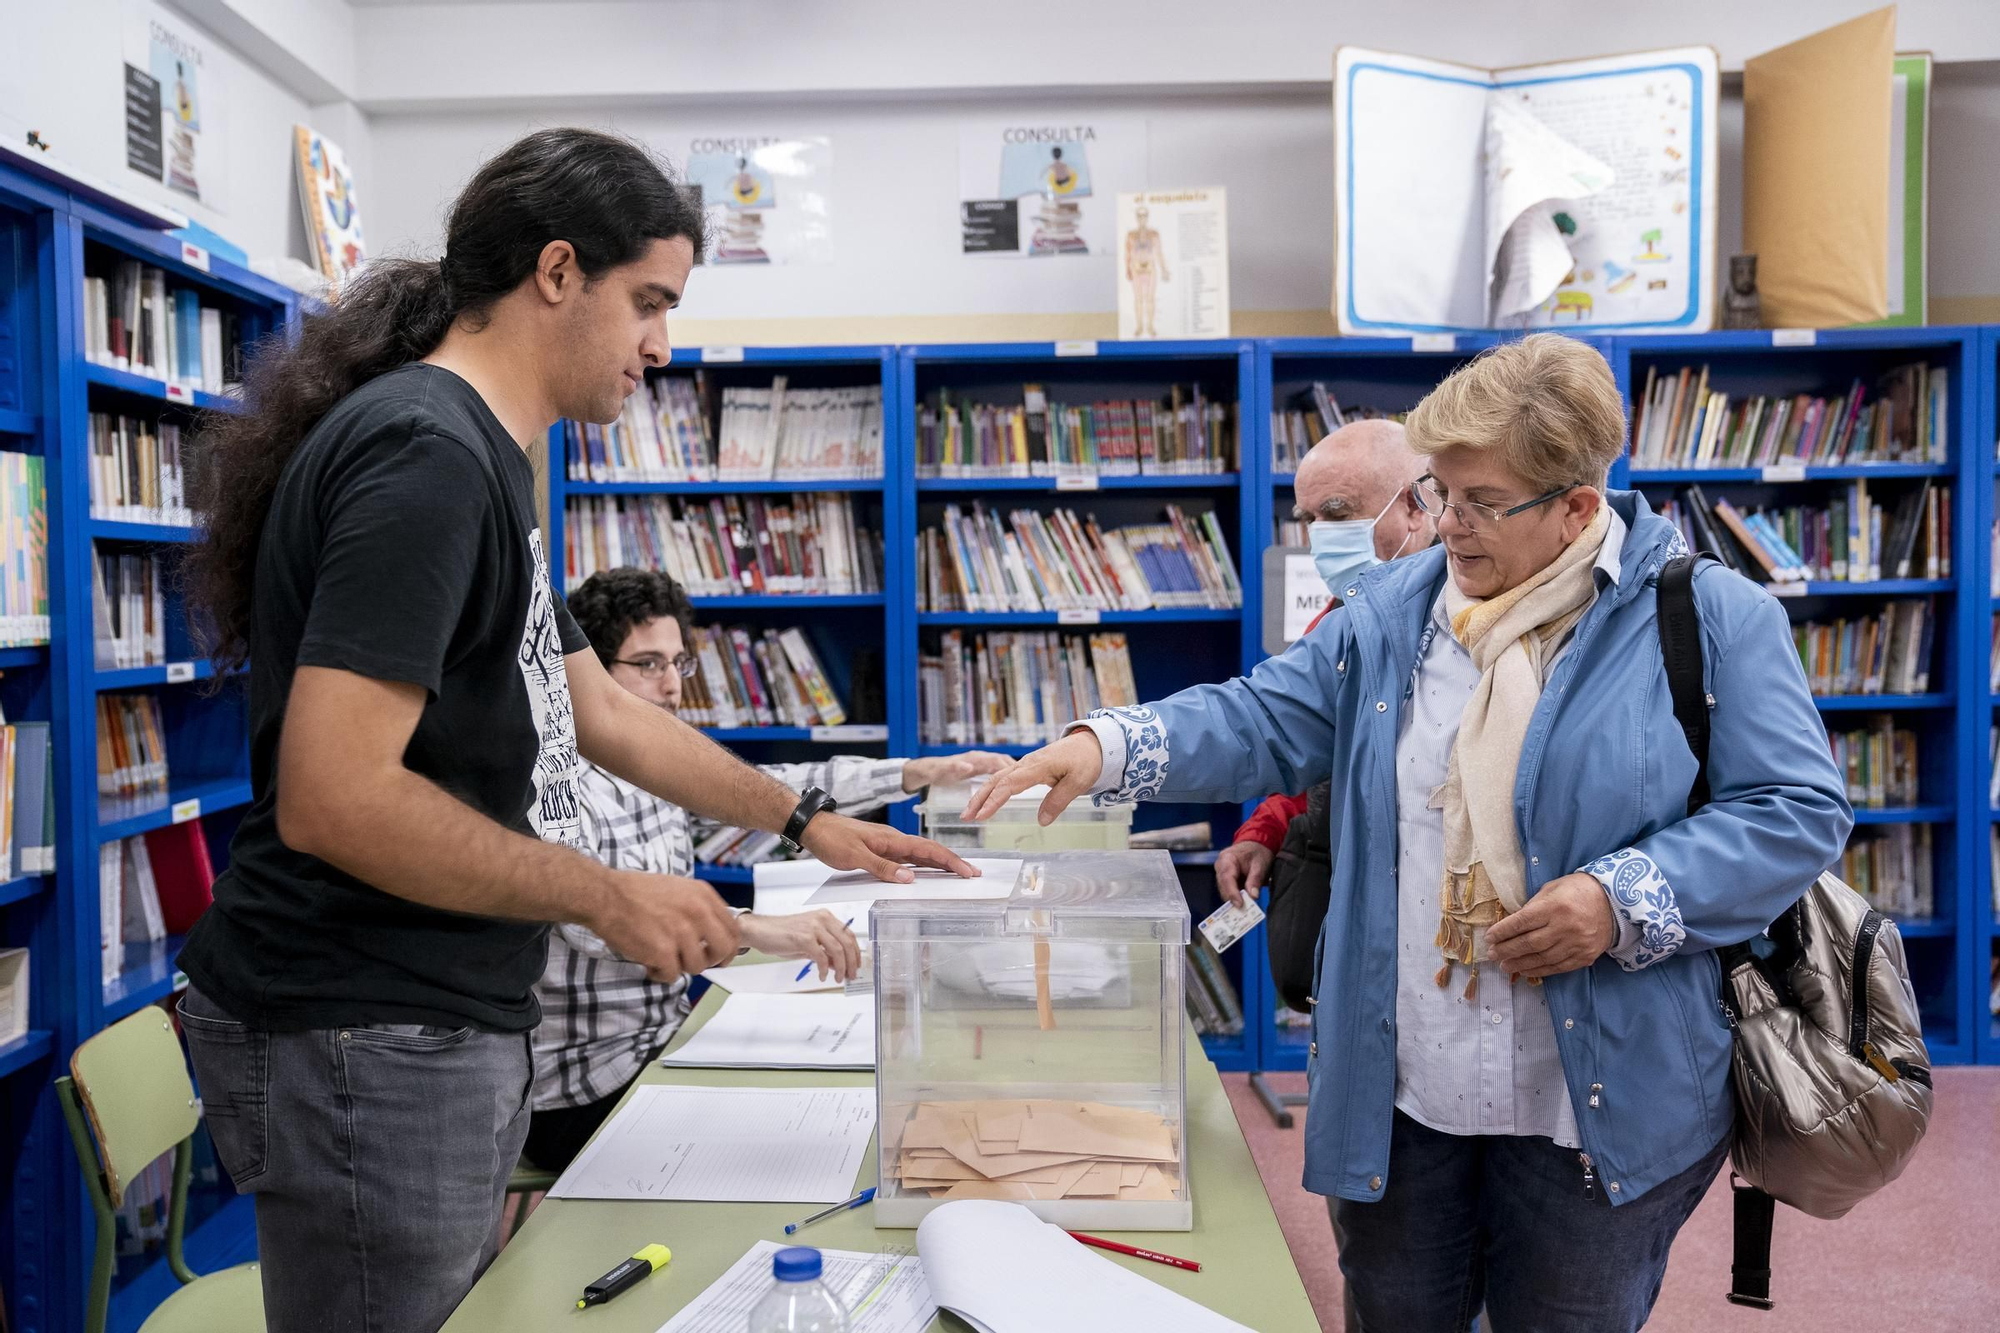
(1068, 768)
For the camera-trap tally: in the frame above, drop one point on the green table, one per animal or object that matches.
(1247, 1272)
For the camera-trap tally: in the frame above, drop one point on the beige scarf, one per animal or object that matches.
(1512, 638)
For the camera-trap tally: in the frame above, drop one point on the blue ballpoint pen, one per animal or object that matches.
(801, 977)
(854, 1202)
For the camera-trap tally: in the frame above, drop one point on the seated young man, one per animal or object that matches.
(603, 1019)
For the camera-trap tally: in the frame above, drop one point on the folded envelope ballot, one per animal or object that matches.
(1037, 1149)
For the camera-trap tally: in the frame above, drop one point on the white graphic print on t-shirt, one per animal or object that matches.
(553, 815)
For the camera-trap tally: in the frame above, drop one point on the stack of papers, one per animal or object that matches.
(763, 1031)
(1030, 1149)
(745, 1145)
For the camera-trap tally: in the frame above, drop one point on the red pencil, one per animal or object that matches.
(1118, 1248)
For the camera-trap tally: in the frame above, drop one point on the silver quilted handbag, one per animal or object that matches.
(1833, 1083)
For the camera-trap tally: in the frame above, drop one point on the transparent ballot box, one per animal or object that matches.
(1032, 1047)
(1014, 827)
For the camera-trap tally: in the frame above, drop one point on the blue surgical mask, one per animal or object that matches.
(1343, 549)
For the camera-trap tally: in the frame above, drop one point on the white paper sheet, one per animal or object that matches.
(996, 880)
(779, 978)
(753, 1031)
(883, 1293)
(974, 1252)
(741, 1145)
(784, 886)
(1529, 170)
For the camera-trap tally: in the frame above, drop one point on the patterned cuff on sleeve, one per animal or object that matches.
(1649, 919)
(1135, 753)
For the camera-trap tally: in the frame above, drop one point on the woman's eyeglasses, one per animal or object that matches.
(1471, 513)
(652, 666)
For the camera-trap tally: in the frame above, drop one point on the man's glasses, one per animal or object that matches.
(652, 666)
(1471, 513)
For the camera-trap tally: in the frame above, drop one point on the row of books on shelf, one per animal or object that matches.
(133, 320)
(739, 847)
(1891, 866)
(138, 470)
(1212, 1002)
(27, 800)
(1679, 421)
(1314, 414)
(1186, 434)
(1853, 538)
(1018, 688)
(1058, 562)
(723, 546)
(129, 597)
(151, 886)
(1879, 762)
(131, 748)
(744, 678)
(779, 433)
(1884, 652)
(24, 570)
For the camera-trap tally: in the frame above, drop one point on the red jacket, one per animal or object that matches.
(1268, 821)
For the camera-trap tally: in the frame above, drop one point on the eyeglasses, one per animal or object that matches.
(652, 667)
(1471, 513)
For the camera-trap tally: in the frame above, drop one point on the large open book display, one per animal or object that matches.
(1578, 195)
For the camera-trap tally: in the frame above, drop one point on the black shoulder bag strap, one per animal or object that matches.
(1680, 646)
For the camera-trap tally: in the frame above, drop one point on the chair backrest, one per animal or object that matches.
(132, 1080)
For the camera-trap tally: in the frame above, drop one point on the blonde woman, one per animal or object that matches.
(1519, 1070)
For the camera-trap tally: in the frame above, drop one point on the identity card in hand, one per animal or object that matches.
(1230, 923)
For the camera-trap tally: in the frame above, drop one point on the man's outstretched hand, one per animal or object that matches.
(855, 844)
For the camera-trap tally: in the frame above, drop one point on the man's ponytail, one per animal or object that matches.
(608, 197)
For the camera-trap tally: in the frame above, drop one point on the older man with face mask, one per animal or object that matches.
(1353, 490)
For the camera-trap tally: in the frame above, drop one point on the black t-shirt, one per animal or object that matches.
(401, 545)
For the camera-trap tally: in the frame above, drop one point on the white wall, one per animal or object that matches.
(894, 206)
(66, 79)
(628, 50)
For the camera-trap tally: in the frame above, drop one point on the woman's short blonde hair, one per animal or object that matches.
(1547, 405)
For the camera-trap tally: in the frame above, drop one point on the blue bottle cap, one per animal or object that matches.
(798, 1264)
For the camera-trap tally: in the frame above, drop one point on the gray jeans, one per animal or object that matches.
(379, 1157)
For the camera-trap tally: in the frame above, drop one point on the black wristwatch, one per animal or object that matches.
(811, 803)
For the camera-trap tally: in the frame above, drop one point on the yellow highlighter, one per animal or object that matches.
(628, 1274)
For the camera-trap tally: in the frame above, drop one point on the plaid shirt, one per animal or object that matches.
(603, 1018)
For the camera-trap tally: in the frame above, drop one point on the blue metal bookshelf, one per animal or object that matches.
(48, 388)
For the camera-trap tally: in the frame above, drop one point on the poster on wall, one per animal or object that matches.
(1039, 188)
(327, 201)
(767, 197)
(1173, 264)
(175, 107)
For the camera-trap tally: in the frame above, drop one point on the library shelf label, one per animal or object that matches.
(179, 672)
(1077, 347)
(1784, 472)
(1794, 337)
(722, 354)
(1085, 616)
(194, 256)
(1076, 481)
(1434, 342)
(186, 810)
(852, 731)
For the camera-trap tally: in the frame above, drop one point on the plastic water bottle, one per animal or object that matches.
(798, 1302)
